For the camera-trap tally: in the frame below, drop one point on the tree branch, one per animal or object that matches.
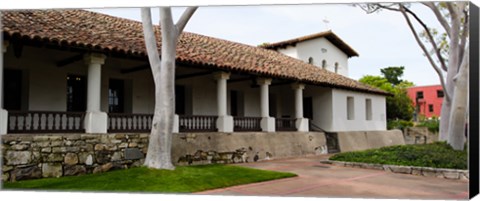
(422, 46)
(439, 16)
(182, 22)
(430, 37)
(150, 40)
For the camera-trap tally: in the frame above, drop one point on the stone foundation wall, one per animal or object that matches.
(35, 156)
(42, 155)
(204, 148)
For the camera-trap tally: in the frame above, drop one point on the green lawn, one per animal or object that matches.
(183, 179)
(437, 155)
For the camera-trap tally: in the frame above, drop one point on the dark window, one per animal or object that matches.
(76, 93)
(310, 60)
(308, 107)
(324, 64)
(12, 89)
(336, 67)
(350, 108)
(419, 94)
(440, 93)
(430, 108)
(179, 99)
(233, 103)
(116, 96)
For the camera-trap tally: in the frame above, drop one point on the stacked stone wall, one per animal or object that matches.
(36, 156)
(56, 155)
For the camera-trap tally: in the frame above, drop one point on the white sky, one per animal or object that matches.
(382, 39)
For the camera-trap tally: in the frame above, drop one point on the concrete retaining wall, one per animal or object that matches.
(55, 155)
(200, 148)
(362, 140)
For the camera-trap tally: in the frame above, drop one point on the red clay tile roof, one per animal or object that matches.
(329, 35)
(80, 29)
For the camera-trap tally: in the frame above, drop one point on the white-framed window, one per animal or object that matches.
(350, 108)
(368, 109)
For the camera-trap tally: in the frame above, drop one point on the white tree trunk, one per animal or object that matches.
(160, 143)
(456, 128)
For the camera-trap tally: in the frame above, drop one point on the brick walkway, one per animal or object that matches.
(320, 180)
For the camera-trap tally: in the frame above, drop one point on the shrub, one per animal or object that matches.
(433, 124)
(398, 124)
(437, 155)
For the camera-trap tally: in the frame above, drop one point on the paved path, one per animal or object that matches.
(321, 180)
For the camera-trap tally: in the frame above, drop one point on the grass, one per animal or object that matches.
(436, 155)
(184, 179)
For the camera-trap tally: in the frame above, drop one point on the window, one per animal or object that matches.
(368, 109)
(234, 103)
(76, 93)
(350, 108)
(310, 60)
(324, 64)
(336, 67)
(419, 94)
(12, 89)
(180, 100)
(440, 93)
(115, 96)
(430, 107)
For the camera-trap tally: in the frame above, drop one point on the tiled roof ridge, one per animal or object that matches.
(100, 32)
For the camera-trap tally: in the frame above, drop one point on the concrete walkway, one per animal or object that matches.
(320, 180)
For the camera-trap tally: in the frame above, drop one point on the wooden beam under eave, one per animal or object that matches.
(135, 69)
(69, 60)
(179, 77)
(17, 49)
(239, 80)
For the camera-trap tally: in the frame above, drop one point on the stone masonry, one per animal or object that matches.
(33, 156)
(36, 156)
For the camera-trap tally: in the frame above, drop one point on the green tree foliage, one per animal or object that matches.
(393, 74)
(399, 106)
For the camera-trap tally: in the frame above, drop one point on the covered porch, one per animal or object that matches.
(49, 90)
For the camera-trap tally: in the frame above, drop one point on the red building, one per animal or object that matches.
(427, 99)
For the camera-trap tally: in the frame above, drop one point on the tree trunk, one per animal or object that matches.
(456, 127)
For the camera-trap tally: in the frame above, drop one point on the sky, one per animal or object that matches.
(382, 39)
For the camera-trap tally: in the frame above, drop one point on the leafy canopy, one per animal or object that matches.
(399, 106)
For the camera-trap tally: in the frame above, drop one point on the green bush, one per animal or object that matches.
(433, 124)
(398, 124)
(436, 155)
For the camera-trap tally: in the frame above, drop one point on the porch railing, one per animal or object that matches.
(247, 123)
(285, 124)
(198, 123)
(129, 122)
(45, 122)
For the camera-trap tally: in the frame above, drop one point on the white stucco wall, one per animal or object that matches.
(313, 48)
(330, 110)
(290, 51)
(359, 122)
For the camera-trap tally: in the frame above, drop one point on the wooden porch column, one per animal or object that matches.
(95, 120)
(300, 123)
(267, 123)
(224, 121)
